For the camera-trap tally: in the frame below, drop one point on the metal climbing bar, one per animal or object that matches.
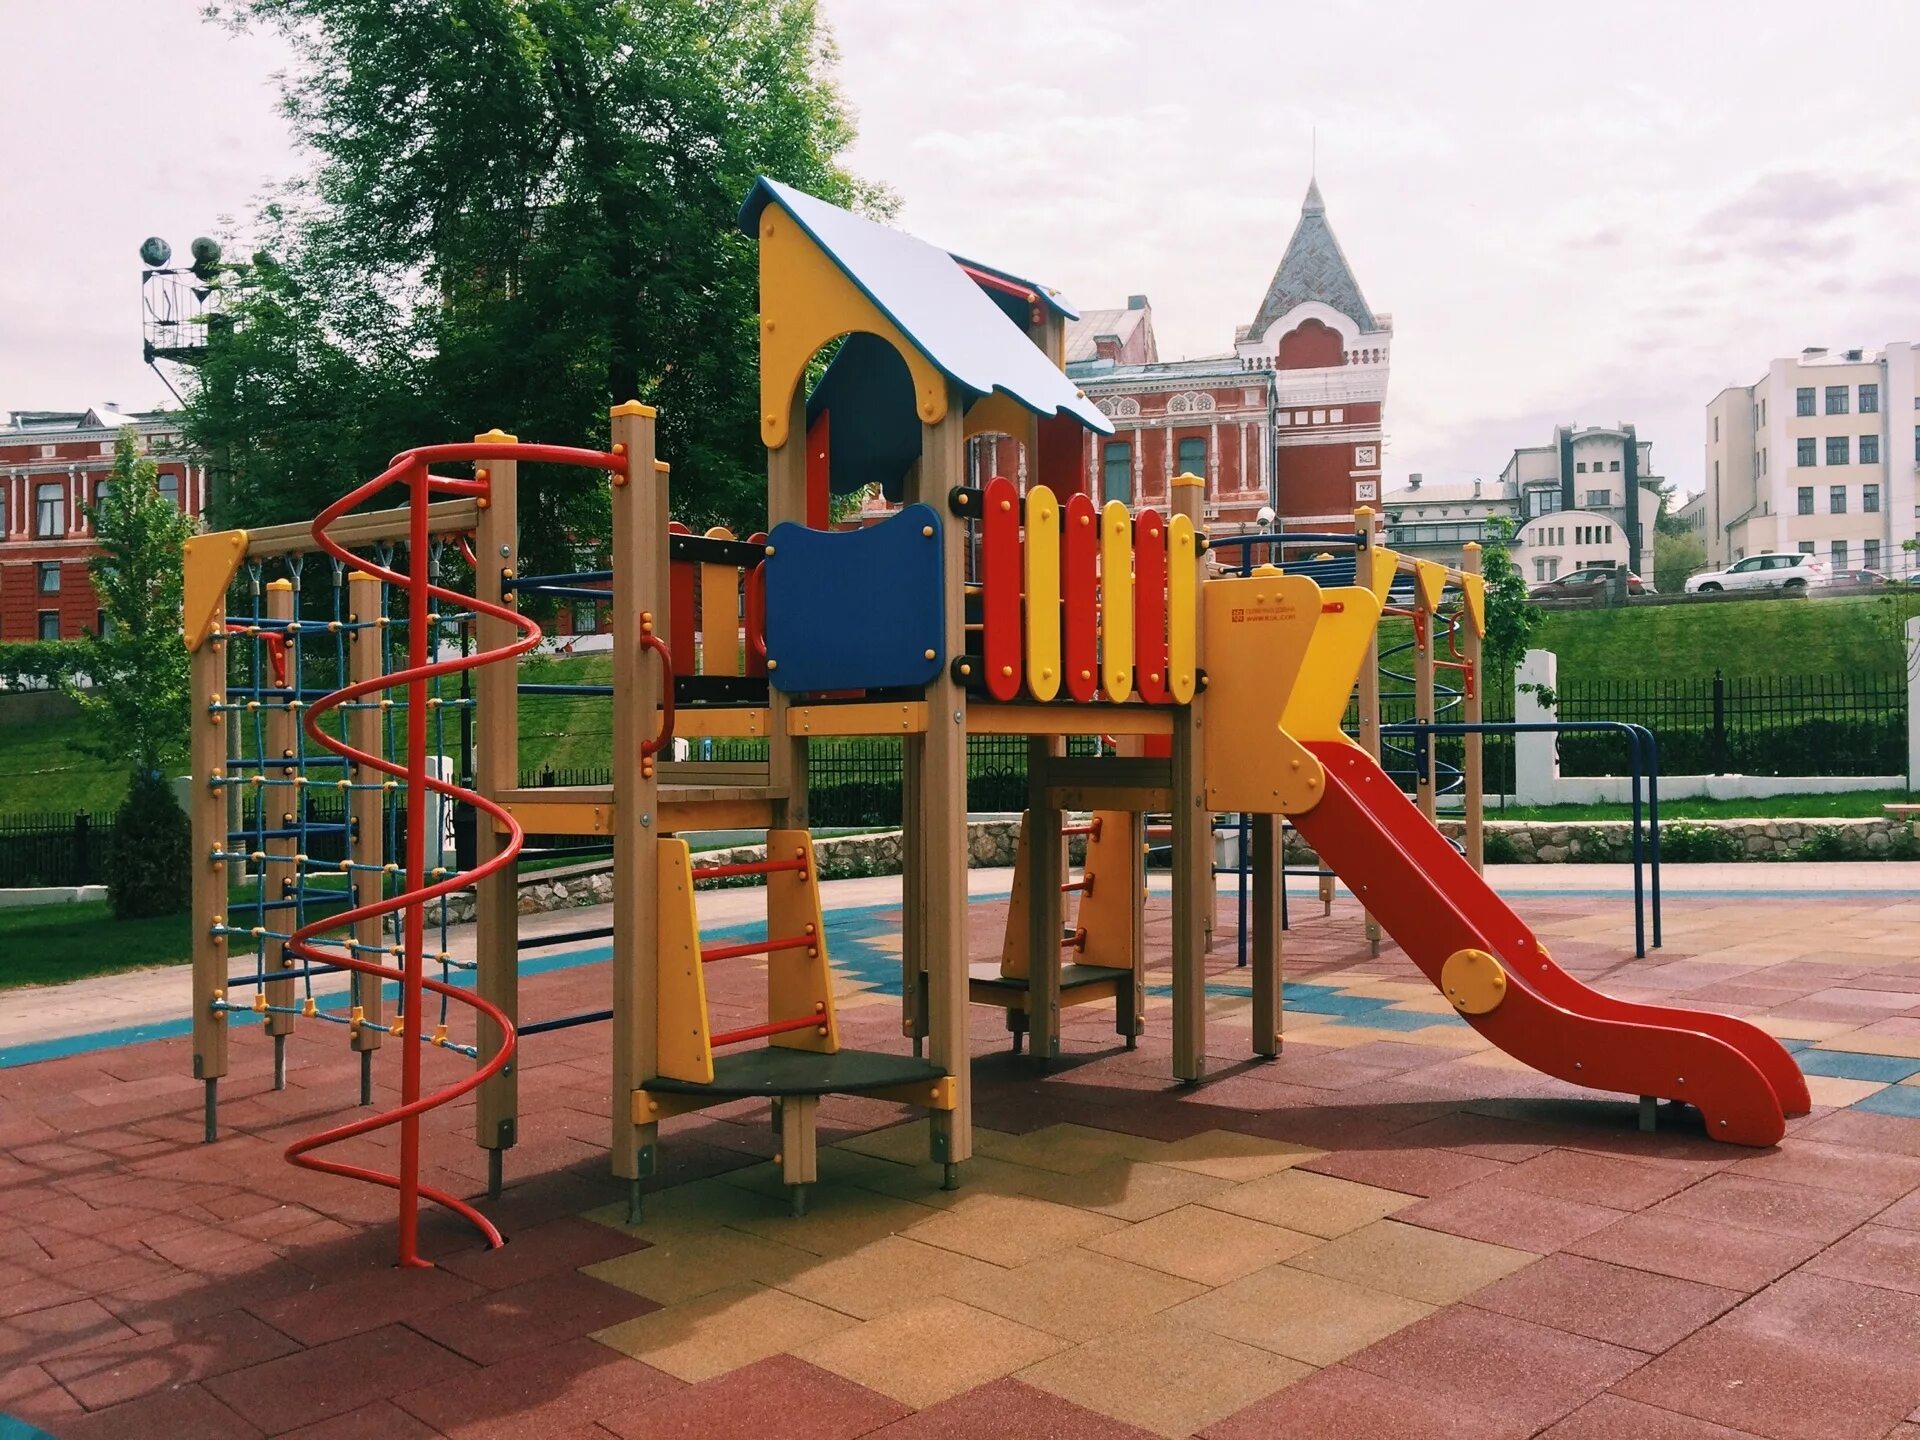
(772, 1027)
(756, 867)
(758, 947)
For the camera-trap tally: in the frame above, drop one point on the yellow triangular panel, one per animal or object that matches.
(681, 1033)
(1386, 564)
(210, 565)
(1475, 589)
(1431, 577)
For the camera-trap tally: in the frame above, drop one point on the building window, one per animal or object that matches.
(1837, 449)
(1598, 498)
(1869, 399)
(1763, 414)
(1716, 429)
(1580, 468)
(1916, 444)
(1806, 499)
(170, 488)
(1836, 399)
(1804, 456)
(1871, 559)
(1803, 400)
(1836, 499)
(49, 624)
(1838, 550)
(1870, 499)
(50, 505)
(100, 493)
(6, 485)
(1613, 465)
(49, 572)
(1193, 457)
(1806, 547)
(1869, 449)
(1116, 473)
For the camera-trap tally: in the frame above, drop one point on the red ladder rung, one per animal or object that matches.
(757, 867)
(1091, 827)
(756, 947)
(1075, 941)
(1084, 885)
(772, 1027)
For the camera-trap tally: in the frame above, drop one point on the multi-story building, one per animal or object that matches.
(1818, 455)
(1290, 417)
(52, 463)
(1435, 520)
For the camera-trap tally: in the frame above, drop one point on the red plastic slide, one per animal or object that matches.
(1431, 901)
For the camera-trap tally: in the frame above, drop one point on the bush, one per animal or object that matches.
(149, 864)
(39, 664)
(1823, 842)
(1496, 847)
(1699, 843)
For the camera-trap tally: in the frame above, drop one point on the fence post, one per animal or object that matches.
(1913, 700)
(82, 860)
(547, 777)
(1536, 756)
(1717, 737)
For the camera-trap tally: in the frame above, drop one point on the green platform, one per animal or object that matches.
(771, 1071)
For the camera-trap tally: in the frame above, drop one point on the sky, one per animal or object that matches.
(1589, 216)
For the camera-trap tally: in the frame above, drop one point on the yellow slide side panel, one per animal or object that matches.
(1431, 578)
(1259, 628)
(799, 981)
(719, 614)
(680, 1024)
(1116, 599)
(1183, 578)
(1349, 617)
(1043, 593)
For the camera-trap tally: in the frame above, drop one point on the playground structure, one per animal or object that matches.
(1220, 693)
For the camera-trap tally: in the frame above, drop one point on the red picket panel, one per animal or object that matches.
(755, 660)
(1150, 607)
(680, 575)
(1079, 555)
(1000, 584)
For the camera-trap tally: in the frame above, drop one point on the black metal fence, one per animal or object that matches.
(53, 849)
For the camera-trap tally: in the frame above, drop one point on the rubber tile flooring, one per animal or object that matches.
(1391, 1230)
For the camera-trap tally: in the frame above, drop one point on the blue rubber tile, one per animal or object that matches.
(1398, 1020)
(1848, 1065)
(1894, 1100)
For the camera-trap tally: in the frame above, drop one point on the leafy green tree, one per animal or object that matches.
(137, 695)
(1511, 617)
(1675, 557)
(520, 212)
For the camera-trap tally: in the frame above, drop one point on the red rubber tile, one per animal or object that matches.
(28, 1393)
(1796, 1210)
(168, 1355)
(1518, 1219)
(42, 1335)
(1488, 1136)
(186, 1411)
(1521, 1372)
(1611, 1180)
(1873, 1255)
(1612, 1417)
(1008, 1410)
(551, 1391)
(336, 1379)
(382, 1420)
(780, 1396)
(502, 1323)
(1903, 1213)
(541, 1250)
(1697, 1250)
(1822, 1166)
(1417, 1171)
(1891, 1134)
(1340, 1403)
(1634, 1308)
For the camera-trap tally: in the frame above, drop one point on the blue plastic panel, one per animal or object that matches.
(856, 609)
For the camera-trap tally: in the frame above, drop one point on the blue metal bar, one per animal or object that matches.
(546, 689)
(538, 582)
(566, 1022)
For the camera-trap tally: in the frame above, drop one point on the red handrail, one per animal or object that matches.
(651, 641)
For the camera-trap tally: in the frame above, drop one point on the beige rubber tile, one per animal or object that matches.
(1815, 1030)
(1418, 1264)
(889, 1274)
(1867, 1042)
(930, 1352)
(837, 1165)
(1312, 1318)
(1170, 1378)
(1009, 1229)
(979, 1176)
(840, 1218)
(1495, 1060)
(696, 1207)
(1077, 1294)
(722, 1331)
(1313, 1204)
(1201, 1244)
(681, 1266)
(1131, 1190)
(907, 1144)
(1228, 1155)
(1068, 1149)
(1838, 1092)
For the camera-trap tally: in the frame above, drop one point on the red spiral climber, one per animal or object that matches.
(411, 469)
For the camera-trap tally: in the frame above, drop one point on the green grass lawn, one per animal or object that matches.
(1860, 804)
(51, 944)
(42, 769)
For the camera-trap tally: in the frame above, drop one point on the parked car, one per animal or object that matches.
(1771, 571)
(1860, 576)
(1588, 583)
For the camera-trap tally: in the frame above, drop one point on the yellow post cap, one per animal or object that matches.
(496, 437)
(279, 584)
(1186, 479)
(633, 407)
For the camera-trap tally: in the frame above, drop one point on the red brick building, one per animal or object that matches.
(52, 463)
(1289, 417)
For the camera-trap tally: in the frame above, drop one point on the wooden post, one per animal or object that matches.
(940, 756)
(207, 811)
(1369, 699)
(1264, 955)
(787, 501)
(496, 767)
(1046, 872)
(1426, 641)
(283, 804)
(1473, 765)
(1193, 889)
(640, 588)
(366, 812)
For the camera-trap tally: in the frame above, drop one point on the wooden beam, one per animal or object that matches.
(987, 718)
(443, 517)
(1193, 888)
(892, 717)
(715, 722)
(1264, 944)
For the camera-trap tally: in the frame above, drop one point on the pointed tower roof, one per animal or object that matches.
(1313, 269)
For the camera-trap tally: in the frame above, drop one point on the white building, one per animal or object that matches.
(1817, 455)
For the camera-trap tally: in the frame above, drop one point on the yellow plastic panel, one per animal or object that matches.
(680, 1024)
(999, 414)
(1183, 625)
(1386, 564)
(1013, 943)
(1474, 587)
(719, 614)
(210, 565)
(1259, 628)
(1474, 981)
(1349, 617)
(799, 982)
(1116, 600)
(1043, 593)
(1431, 578)
(1106, 905)
(807, 300)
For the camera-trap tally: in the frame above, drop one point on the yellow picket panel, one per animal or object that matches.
(1116, 600)
(719, 614)
(681, 1032)
(1183, 615)
(1386, 564)
(1431, 578)
(1474, 587)
(1043, 593)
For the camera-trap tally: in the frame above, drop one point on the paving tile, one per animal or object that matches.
(1524, 1372)
(1611, 1180)
(1313, 1204)
(1230, 1155)
(1872, 1255)
(185, 1411)
(1700, 1250)
(840, 1217)
(1821, 1166)
(499, 1324)
(1164, 1376)
(1887, 1133)
(1851, 1065)
(722, 1330)
(1201, 1244)
(569, 1243)
(930, 1352)
(1009, 1229)
(1339, 1403)
(777, 1396)
(1613, 1417)
(888, 1274)
(352, 1305)
(166, 1356)
(1622, 1306)
(694, 1262)
(1307, 1317)
(1795, 1210)
(1008, 1410)
(1134, 1190)
(1519, 1219)
(1902, 1100)
(1837, 1093)
(63, 1329)
(382, 1420)
(337, 1378)
(1416, 1171)
(1409, 1261)
(1068, 1148)
(1076, 1293)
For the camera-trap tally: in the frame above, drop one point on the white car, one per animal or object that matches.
(1774, 571)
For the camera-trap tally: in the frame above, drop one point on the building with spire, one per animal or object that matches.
(1290, 416)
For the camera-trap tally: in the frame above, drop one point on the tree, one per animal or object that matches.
(521, 211)
(1675, 557)
(137, 697)
(1668, 521)
(1511, 616)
